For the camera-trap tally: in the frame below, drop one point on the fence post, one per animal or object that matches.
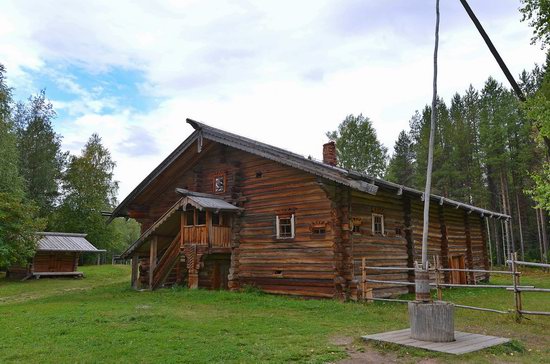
(363, 279)
(437, 278)
(515, 278)
(366, 292)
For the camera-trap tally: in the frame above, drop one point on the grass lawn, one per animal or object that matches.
(100, 319)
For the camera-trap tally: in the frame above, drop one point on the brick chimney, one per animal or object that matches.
(329, 153)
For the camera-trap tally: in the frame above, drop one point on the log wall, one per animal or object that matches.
(387, 250)
(304, 265)
(55, 262)
(313, 265)
(301, 266)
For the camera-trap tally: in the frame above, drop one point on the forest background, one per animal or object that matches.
(491, 150)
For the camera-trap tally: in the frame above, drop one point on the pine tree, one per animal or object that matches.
(358, 147)
(401, 166)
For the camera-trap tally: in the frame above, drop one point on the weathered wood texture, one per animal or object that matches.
(55, 262)
(387, 250)
(303, 265)
(215, 271)
(432, 321)
(309, 264)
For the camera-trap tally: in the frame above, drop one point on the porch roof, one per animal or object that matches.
(65, 242)
(204, 201)
(169, 222)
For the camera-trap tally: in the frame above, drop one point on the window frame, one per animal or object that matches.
(278, 226)
(374, 232)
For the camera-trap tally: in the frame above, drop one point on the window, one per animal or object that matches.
(190, 217)
(201, 217)
(285, 227)
(219, 184)
(377, 224)
(216, 219)
(319, 230)
(398, 231)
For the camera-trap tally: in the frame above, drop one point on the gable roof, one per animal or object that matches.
(353, 179)
(66, 242)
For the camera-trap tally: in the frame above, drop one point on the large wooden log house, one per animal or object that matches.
(224, 211)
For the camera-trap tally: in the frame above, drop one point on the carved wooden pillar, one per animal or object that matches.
(152, 260)
(193, 255)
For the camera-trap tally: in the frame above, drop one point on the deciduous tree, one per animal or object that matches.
(358, 147)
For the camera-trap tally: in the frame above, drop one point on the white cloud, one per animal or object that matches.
(283, 72)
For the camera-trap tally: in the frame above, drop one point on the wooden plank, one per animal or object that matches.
(464, 342)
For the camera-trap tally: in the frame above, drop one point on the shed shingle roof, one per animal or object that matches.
(69, 242)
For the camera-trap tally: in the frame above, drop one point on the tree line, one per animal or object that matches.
(488, 152)
(491, 150)
(43, 188)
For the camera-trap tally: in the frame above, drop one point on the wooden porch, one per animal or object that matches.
(172, 250)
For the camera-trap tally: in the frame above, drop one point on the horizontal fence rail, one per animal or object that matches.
(515, 287)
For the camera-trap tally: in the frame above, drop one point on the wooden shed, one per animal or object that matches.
(57, 254)
(224, 211)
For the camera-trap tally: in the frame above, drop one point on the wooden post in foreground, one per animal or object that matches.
(366, 292)
(517, 292)
(152, 260)
(135, 275)
(438, 278)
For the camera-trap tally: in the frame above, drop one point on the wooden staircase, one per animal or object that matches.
(167, 263)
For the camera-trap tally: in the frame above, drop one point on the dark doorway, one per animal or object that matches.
(215, 271)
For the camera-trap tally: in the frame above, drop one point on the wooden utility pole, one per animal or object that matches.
(427, 190)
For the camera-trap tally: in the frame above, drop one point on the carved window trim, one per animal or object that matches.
(318, 228)
(356, 223)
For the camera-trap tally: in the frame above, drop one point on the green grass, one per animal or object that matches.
(100, 319)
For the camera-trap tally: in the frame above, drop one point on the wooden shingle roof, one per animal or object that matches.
(67, 242)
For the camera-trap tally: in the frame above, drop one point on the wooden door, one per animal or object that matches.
(220, 274)
(457, 262)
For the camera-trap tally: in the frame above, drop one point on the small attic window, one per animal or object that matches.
(259, 174)
(318, 228)
(219, 184)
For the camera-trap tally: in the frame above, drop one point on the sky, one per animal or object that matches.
(282, 72)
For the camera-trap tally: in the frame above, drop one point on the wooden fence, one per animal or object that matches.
(439, 284)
